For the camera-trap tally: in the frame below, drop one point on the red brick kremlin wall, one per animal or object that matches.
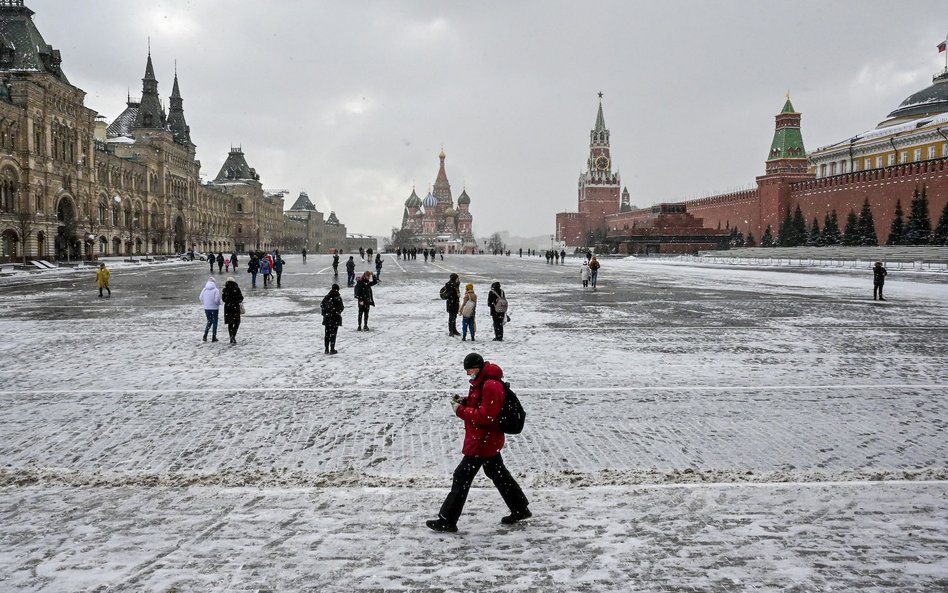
(817, 197)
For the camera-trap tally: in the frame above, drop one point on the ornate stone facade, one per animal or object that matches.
(73, 188)
(434, 222)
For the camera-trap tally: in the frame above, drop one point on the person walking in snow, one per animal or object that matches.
(102, 277)
(878, 280)
(232, 299)
(220, 262)
(331, 308)
(210, 297)
(278, 267)
(593, 271)
(452, 294)
(363, 295)
(497, 317)
(483, 441)
(350, 272)
(584, 274)
(468, 309)
(361, 253)
(303, 252)
(211, 260)
(233, 260)
(378, 266)
(253, 268)
(265, 270)
(335, 265)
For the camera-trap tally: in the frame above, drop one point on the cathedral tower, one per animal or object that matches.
(176, 122)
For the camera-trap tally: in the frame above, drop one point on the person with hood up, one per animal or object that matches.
(102, 277)
(584, 274)
(265, 270)
(468, 310)
(220, 262)
(453, 290)
(253, 268)
(497, 317)
(363, 295)
(331, 308)
(350, 272)
(483, 441)
(232, 299)
(210, 297)
(878, 280)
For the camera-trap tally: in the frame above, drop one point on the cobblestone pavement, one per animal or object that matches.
(689, 429)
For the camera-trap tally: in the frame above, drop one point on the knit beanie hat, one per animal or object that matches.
(469, 287)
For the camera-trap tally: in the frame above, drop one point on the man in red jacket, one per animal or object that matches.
(483, 441)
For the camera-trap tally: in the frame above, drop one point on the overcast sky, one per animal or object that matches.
(352, 101)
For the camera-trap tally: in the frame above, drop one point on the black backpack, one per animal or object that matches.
(512, 415)
(444, 294)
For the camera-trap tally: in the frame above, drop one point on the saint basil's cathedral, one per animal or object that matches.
(434, 221)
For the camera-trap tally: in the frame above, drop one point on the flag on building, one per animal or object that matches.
(942, 45)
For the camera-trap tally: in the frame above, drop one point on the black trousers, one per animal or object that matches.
(233, 326)
(498, 325)
(453, 323)
(363, 311)
(494, 469)
(330, 338)
(877, 290)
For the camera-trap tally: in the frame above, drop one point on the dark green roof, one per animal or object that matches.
(22, 47)
(787, 144)
(787, 107)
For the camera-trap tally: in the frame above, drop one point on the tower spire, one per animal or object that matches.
(150, 112)
(176, 122)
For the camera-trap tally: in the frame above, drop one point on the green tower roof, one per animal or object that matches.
(788, 140)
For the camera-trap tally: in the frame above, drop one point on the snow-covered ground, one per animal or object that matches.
(690, 428)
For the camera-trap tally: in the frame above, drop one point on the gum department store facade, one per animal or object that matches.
(906, 150)
(73, 188)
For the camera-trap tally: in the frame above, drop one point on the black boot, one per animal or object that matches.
(441, 525)
(516, 516)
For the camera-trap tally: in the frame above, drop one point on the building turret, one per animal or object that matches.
(150, 112)
(235, 168)
(442, 189)
(787, 154)
(176, 122)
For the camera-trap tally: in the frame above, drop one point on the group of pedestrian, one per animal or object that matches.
(555, 257)
(467, 308)
(266, 265)
(590, 271)
(223, 262)
(211, 298)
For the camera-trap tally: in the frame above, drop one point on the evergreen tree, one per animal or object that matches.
(851, 231)
(941, 232)
(918, 229)
(750, 242)
(866, 226)
(784, 231)
(768, 239)
(814, 239)
(798, 234)
(898, 226)
(831, 234)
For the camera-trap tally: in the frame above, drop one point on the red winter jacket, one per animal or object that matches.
(480, 411)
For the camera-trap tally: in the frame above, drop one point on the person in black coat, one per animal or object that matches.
(332, 307)
(363, 294)
(350, 271)
(220, 262)
(453, 304)
(335, 264)
(496, 317)
(878, 280)
(232, 297)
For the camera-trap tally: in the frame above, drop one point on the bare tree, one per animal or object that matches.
(25, 221)
(495, 243)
